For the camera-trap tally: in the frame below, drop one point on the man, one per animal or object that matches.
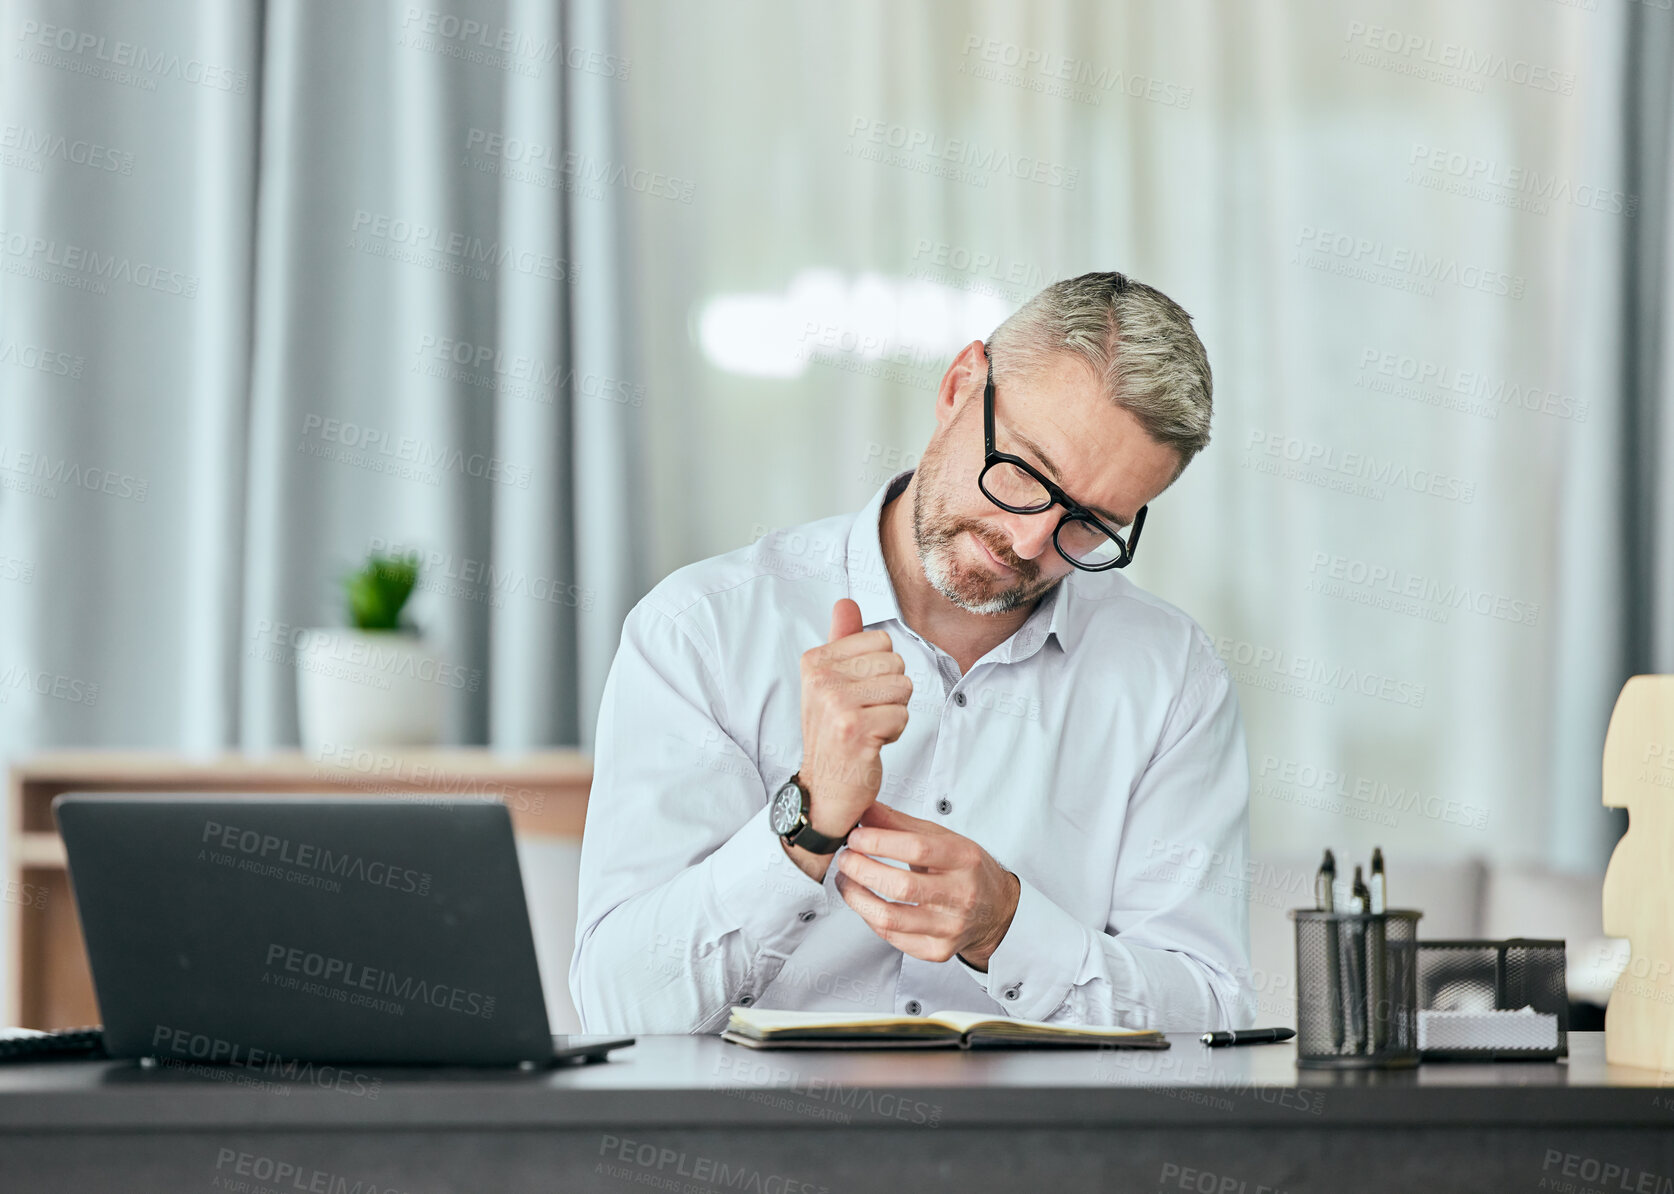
(940, 754)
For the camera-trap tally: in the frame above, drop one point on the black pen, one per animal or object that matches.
(1324, 880)
(1325, 900)
(1248, 1036)
(1376, 939)
(1359, 898)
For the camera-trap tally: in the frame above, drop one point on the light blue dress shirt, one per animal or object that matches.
(1097, 753)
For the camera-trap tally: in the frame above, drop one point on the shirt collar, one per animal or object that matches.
(869, 583)
(871, 589)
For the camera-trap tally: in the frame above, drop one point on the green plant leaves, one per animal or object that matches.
(378, 591)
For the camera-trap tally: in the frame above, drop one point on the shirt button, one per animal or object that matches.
(1013, 991)
(747, 1000)
(914, 1007)
(805, 917)
(959, 699)
(944, 806)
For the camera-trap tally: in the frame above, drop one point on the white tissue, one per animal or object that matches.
(1524, 1028)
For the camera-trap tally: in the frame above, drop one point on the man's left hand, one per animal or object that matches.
(955, 899)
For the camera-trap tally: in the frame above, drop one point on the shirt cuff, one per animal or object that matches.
(759, 889)
(1037, 963)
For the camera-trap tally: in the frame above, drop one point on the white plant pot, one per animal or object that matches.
(368, 688)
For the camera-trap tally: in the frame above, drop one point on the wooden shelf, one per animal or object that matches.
(38, 850)
(50, 987)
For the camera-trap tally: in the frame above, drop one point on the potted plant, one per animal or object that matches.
(374, 684)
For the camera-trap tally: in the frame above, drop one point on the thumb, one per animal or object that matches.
(845, 619)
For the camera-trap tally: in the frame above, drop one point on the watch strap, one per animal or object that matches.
(812, 840)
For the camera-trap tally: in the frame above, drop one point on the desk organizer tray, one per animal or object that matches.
(1492, 1000)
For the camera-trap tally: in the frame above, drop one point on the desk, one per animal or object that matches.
(50, 986)
(697, 1114)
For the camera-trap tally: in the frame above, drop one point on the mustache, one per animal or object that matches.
(1002, 553)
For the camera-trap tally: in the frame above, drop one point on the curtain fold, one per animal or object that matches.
(612, 543)
(285, 283)
(1647, 345)
(1615, 611)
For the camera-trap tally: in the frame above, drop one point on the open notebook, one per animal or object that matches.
(764, 1028)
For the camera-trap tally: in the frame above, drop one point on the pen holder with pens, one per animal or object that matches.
(1356, 989)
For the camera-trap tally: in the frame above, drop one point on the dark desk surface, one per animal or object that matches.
(698, 1082)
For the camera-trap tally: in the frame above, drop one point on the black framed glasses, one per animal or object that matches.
(1013, 484)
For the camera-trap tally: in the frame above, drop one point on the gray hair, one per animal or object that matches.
(1137, 341)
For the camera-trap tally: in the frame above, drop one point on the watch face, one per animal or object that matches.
(787, 808)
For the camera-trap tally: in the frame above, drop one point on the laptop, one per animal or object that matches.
(341, 929)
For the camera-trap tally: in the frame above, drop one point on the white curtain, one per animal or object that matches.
(285, 283)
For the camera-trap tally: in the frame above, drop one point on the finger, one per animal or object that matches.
(937, 890)
(884, 722)
(856, 736)
(885, 916)
(916, 848)
(890, 882)
(893, 719)
(919, 945)
(873, 663)
(879, 915)
(845, 619)
(888, 689)
(882, 816)
(860, 643)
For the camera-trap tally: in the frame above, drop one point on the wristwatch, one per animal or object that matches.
(789, 818)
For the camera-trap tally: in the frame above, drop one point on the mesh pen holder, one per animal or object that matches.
(1356, 989)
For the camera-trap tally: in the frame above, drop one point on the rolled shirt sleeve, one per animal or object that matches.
(687, 901)
(1174, 954)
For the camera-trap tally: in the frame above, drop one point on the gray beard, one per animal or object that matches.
(935, 554)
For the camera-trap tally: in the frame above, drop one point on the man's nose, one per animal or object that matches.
(1031, 534)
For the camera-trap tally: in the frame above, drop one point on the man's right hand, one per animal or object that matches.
(854, 702)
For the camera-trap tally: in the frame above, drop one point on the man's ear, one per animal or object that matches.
(965, 376)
